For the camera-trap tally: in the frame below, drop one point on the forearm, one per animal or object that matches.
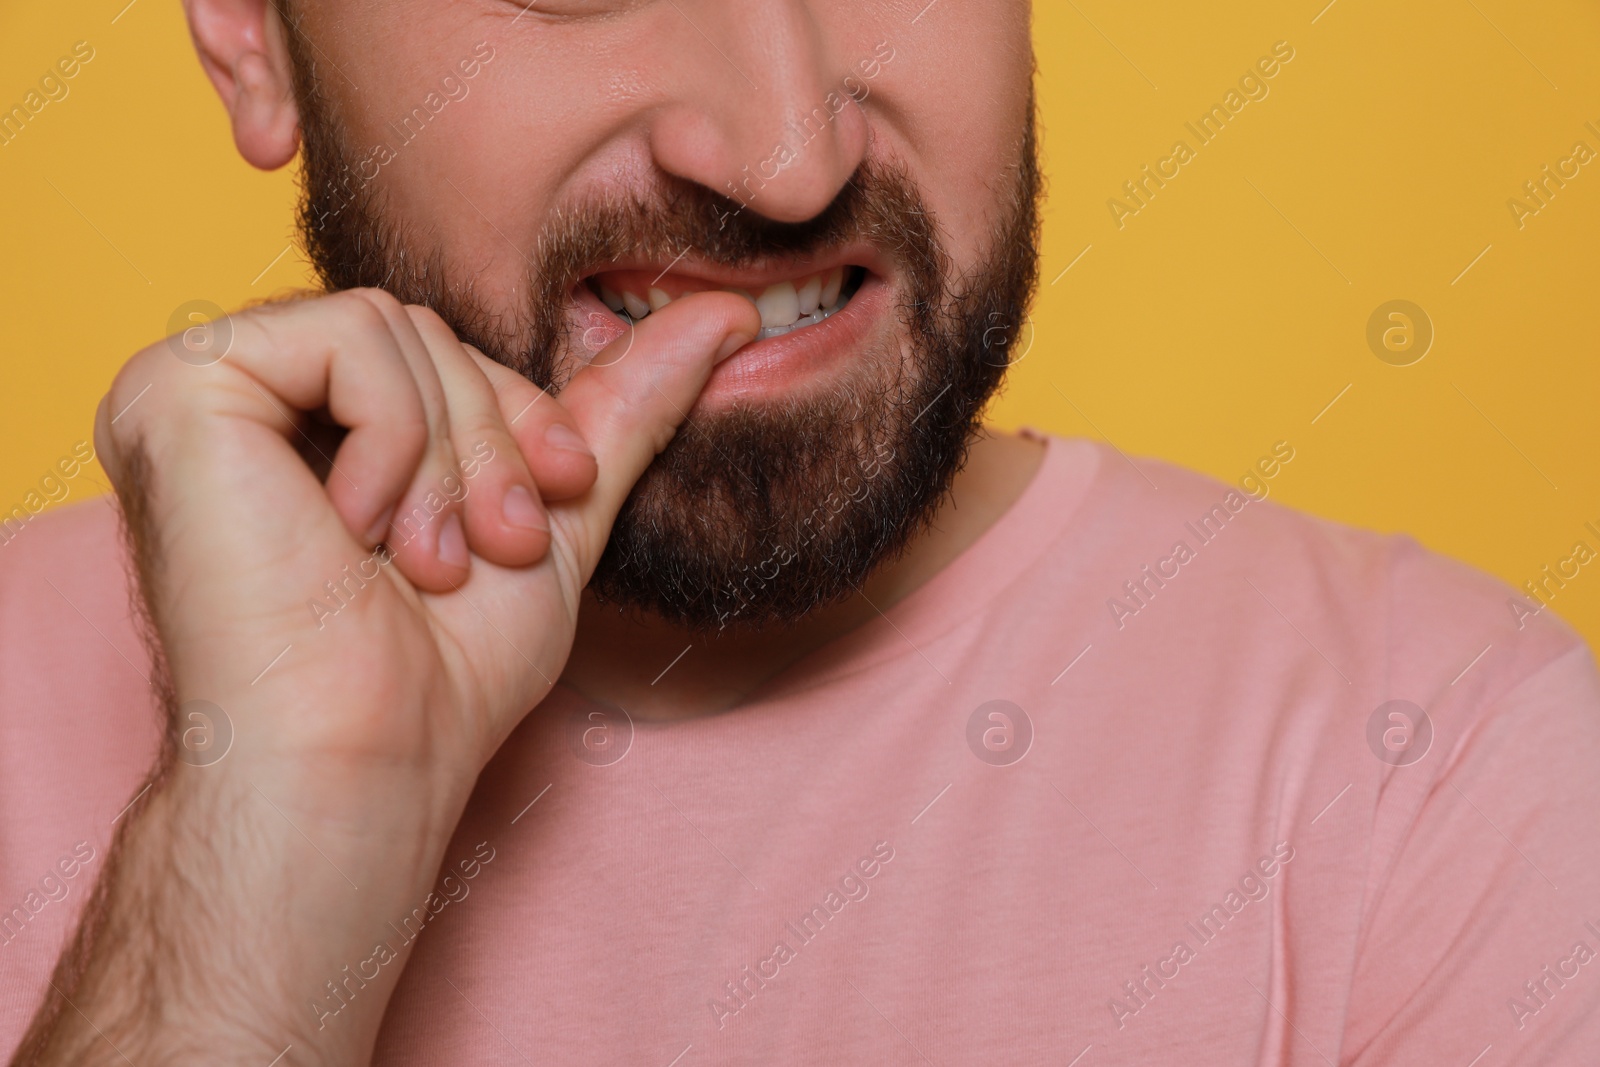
(226, 919)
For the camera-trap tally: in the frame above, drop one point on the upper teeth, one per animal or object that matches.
(782, 305)
(633, 304)
(779, 305)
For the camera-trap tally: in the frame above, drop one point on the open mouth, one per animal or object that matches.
(785, 306)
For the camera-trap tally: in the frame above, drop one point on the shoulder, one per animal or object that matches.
(75, 697)
(1407, 619)
(78, 729)
(72, 652)
(65, 564)
(34, 538)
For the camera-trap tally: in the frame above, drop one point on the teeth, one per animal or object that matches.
(634, 306)
(783, 307)
(779, 305)
(811, 294)
(804, 320)
(831, 286)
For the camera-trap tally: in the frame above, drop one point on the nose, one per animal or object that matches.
(763, 110)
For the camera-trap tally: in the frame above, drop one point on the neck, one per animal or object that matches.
(658, 671)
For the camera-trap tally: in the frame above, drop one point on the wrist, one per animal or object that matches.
(238, 915)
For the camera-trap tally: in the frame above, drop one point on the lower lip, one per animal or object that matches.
(809, 358)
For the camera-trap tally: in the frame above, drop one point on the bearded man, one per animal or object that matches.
(600, 628)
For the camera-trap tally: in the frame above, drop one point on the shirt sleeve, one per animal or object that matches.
(1481, 939)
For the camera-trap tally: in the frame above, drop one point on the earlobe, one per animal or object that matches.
(265, 121)
(242, 47)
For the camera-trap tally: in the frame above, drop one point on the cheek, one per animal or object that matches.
(482, 177)
(961, 146)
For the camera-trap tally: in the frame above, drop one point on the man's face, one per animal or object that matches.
(544, 175)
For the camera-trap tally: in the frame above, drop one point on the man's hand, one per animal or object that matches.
(365, 686)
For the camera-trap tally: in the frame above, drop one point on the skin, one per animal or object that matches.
(368, 737)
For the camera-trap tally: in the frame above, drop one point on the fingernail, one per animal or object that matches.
(380, 528)
(564, 437)
(452, 542)
(519, 509)
(732, 343)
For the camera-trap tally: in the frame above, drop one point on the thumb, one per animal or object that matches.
(631, 400)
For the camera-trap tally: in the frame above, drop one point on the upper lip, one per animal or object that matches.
(754, 276)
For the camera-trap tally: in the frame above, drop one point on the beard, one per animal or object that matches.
(761, 513)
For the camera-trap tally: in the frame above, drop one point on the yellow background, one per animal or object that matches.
(1223, 317)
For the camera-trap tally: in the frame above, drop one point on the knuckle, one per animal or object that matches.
(491, 434)
(136, 378)
(412, 422)
(362, 309)
(145, 402)
(410, 436)
(523, 392)
(380, 300)
(422, 315)
(369, 317)
(487, 432)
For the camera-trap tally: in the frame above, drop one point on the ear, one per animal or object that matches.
(242, 46)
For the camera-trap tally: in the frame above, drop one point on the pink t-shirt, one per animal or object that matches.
(1142, 777)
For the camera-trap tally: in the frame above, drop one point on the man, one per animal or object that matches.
(602, 631)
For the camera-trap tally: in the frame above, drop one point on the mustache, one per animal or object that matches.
(878, 204)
